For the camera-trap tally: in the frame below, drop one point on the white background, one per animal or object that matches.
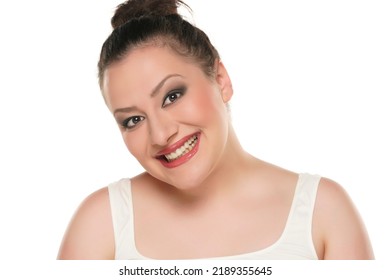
(310, 78)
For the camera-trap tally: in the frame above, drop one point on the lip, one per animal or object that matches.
(183, 159)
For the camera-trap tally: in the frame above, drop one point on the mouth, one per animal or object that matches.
(180, 152)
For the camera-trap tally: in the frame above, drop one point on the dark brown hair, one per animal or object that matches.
(137, 23)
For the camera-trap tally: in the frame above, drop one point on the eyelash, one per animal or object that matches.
(178, 93)
(125, 123)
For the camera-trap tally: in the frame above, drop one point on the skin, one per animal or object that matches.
(221, 188)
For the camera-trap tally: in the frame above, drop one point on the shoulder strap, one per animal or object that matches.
(122, 218)
(298, 231)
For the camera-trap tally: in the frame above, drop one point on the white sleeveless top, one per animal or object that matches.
(295, 242)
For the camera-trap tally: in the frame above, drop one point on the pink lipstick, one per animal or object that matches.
(180, 152)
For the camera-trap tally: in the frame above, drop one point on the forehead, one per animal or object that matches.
(145, 65)
(143, 68)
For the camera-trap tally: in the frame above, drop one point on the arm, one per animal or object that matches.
(338, 224)
(90, 232)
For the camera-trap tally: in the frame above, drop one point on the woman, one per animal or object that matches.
(201, 195)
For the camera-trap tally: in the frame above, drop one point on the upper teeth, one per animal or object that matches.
(187, 146)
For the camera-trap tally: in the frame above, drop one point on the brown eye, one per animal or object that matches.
(132, 121)
(172, 97)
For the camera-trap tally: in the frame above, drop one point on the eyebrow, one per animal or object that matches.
(154, 92)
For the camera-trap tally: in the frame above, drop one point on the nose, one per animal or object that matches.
(161, 129)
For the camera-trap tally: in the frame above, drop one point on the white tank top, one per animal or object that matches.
(296, 241)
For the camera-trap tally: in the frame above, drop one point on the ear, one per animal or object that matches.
(223, 80)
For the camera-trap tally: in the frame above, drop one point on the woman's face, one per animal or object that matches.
(173, 118)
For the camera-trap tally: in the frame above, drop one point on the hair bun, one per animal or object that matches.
(138, 8)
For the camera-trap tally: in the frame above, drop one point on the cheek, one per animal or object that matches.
(135, 143)
(203, 107)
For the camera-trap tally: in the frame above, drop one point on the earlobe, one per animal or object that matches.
(224, 82)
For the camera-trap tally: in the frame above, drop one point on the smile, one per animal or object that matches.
(180, 152)
(187, 147)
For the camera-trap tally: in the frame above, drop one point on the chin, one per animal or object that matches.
(192, 180)
(183, 180)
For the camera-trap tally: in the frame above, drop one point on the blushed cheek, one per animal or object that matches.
(202, 109)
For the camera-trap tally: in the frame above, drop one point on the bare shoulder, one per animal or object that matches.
(337, 225)
(90, 232)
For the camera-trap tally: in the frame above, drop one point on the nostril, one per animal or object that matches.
(161, 133)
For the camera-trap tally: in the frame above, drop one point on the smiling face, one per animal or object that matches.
(173, 118)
